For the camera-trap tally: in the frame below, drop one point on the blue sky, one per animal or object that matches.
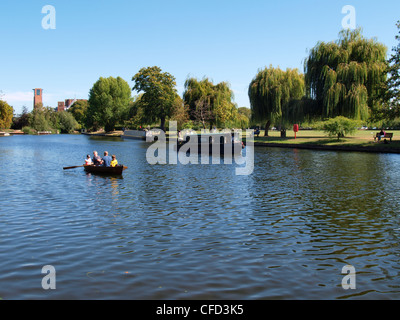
(222, 40)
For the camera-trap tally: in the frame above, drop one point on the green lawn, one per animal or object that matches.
(360, 138)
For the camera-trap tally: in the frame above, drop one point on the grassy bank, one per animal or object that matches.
(362, 140)
(115, 134)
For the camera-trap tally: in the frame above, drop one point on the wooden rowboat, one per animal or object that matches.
(116, 171)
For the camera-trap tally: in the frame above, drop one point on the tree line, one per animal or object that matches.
(111, 105)
(203, 104)
(349, 77)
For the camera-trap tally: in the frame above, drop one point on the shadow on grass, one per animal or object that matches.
(347, 143)
(302, 140)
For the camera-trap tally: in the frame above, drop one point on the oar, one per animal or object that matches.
(66, 168)
(125, 167)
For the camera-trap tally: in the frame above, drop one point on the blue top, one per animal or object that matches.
(107, 161)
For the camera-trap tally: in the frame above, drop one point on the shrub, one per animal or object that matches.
(339, 126)
(28, 130)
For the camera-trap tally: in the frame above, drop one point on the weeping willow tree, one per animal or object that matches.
(391, 99)
(275, 95)
(208, 103)
(345, 77)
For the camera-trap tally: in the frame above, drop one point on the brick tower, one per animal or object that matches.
(37, 96)
(61, 106)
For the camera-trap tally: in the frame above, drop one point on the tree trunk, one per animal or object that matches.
(109, 127)
(267, 128)
(162, 125)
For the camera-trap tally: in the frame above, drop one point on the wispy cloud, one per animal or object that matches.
(18, 97)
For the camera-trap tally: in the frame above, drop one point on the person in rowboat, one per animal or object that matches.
(96, 159)
(114, 161)
(88, 160)
(106, 161)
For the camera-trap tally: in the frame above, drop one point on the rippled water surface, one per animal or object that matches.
(196, 231)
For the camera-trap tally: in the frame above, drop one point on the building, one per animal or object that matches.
(68, 103)
(61, 106)
(37, 97)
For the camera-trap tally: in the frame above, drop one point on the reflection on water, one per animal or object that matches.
(196, 231)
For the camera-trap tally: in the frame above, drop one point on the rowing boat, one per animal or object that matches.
(117, 170)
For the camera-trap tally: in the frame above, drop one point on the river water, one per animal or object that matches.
(179, 231)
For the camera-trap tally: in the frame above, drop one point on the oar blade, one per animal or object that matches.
(66, 168)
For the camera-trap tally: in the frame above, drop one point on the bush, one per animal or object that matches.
(67, 122)
(187, 125)
(28, 130)
(339, 126)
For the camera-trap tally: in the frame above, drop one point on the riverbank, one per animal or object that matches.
(362, 141)
(9, 132)
(115, 134)
(377, 149)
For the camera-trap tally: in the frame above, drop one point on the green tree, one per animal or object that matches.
(46, 119)
(159, 93)
(6, 115)
(39, 119)
(198, 97)
(208, 103)
(237, 118)
(67, 122)
(52, 118)
(345, 77)
(245, 111)
(79, 111)
(22, 120)
(108, 102)
(272, 93)
(225, 110)
(134, 118)
(393, 83)
(339, 126)
(180, 112)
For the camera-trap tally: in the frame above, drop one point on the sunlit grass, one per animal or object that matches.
(315, 137)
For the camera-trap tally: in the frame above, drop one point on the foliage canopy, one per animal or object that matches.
(339, 126)
(159, 93)
(345, 77)
(6, 115)
(393, 83)
(108, 102)
(275, 95)
(210, 104)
